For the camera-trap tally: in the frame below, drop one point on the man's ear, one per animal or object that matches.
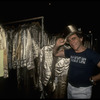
(81, 39)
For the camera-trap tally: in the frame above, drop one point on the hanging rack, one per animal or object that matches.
(25, 20)
(30, 19)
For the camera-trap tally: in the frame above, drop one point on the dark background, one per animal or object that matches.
(57, 14)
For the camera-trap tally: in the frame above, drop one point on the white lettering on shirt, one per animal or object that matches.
(78, 59)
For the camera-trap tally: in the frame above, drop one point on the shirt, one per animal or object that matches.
(81, 66)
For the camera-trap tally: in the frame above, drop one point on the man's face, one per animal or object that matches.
(75, 42)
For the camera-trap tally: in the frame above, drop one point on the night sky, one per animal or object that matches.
(57, 14)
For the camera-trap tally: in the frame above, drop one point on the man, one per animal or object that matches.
(82, 63)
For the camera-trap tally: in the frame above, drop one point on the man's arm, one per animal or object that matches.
(56, 50)
(96, 77)
(98, 64)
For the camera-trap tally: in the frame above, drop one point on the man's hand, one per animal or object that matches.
(60, 42)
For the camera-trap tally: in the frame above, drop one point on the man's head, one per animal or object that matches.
(75, 39)
(71, 30)
(72, 33)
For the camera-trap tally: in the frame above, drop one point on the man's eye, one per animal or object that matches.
(73, 38)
